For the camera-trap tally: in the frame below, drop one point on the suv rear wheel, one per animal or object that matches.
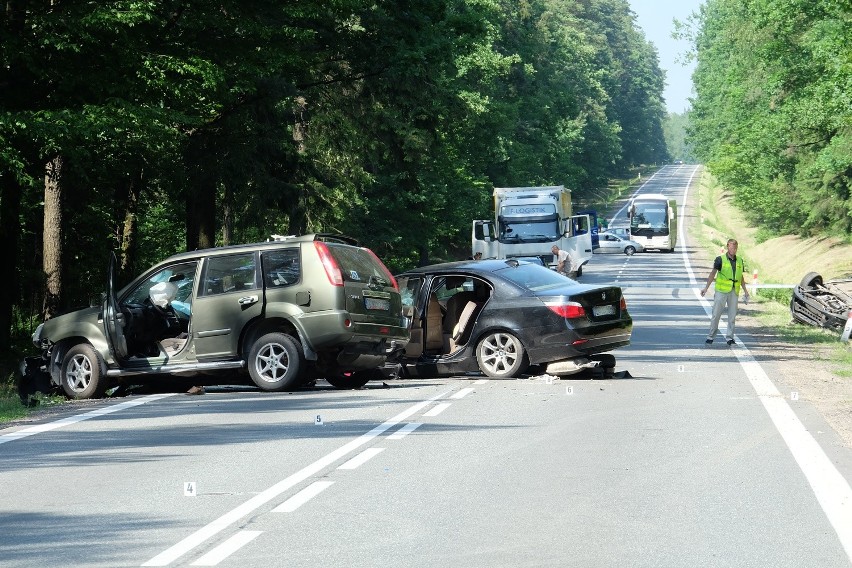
(275, 362)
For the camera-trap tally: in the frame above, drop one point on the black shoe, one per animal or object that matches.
(708, 341)
(731, 342)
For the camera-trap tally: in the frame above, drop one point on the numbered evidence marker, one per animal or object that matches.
(318, 421)
(680, 368)
(189, 489)
(569, 390)
(794, 395)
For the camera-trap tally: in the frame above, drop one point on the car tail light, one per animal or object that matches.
(623, 304)
(569, 310)
(391, 279)
(332, 270)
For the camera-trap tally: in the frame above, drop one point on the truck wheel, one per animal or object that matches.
(500, 355)
(275, 362)
(83, 372)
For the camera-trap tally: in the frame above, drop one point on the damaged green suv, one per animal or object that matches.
(288, 311)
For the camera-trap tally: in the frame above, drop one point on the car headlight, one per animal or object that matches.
(37, 335)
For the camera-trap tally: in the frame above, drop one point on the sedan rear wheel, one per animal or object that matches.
(275, 362)
(629, 250)
(501, 356)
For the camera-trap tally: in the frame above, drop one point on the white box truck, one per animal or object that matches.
(528, 221)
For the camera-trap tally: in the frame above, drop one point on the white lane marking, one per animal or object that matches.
(438, 409)
(227, 548)
(302, 496)
(31, 431)
(830, 487)
(361, 458)
(231, 517)
(405, 431)
(463, 393)
(480, 381)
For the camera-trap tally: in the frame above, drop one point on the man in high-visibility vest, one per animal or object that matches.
(729, 273)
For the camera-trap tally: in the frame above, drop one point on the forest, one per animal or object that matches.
(772, 114)
(153, 127)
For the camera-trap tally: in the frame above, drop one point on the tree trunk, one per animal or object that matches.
(128, 234)
(201, 216)
(52, 259)
(10, 229)
(227, 216)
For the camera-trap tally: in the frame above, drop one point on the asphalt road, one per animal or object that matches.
(690, 458)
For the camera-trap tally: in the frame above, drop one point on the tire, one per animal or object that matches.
(579, 272)
(500, 355)
(354, 380)
(275, 362)
(811, 280)
(629, 250)
(83, 372)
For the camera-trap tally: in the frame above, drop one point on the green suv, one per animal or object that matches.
(289, 311)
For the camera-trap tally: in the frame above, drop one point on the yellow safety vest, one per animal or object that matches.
(725, 281)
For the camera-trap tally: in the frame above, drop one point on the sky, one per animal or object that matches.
(655, 18)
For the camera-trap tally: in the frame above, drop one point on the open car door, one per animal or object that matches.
(114, 320)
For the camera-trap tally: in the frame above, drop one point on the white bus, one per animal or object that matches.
(653, 221)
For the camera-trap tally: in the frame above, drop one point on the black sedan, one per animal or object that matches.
(501, 317)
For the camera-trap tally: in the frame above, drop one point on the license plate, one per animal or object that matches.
(376, 304)
(607, 310)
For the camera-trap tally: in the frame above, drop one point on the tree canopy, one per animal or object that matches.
(772, 118)
(170, 125)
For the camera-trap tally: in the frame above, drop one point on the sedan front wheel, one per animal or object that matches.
(500, 355)
(629, 250)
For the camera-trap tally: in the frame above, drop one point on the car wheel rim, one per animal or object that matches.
(499, 353)
(79, 373)
(272, 362)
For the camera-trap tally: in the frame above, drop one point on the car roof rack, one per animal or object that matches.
(324, 237)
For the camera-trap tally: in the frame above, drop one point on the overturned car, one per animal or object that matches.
(822, 304)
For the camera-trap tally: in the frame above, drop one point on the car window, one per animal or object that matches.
(533, 277)
(182, 275)
(232, 273)
(281, 267)
(356, 264)
(409, 288)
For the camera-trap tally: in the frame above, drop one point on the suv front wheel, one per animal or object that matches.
(275, 362)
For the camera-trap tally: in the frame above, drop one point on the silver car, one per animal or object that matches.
(614, 243)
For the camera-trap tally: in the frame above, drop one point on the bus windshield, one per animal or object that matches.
(649, 219)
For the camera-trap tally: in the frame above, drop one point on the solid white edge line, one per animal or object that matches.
(405, 431)
(361, 458)
(32, 430)
(832, 490)
(215, 527)
(227, 548)
(302, 496)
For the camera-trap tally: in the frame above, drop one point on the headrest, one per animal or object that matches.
(454, 282)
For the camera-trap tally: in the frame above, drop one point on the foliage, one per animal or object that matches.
(773, 114)
(182, 125)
